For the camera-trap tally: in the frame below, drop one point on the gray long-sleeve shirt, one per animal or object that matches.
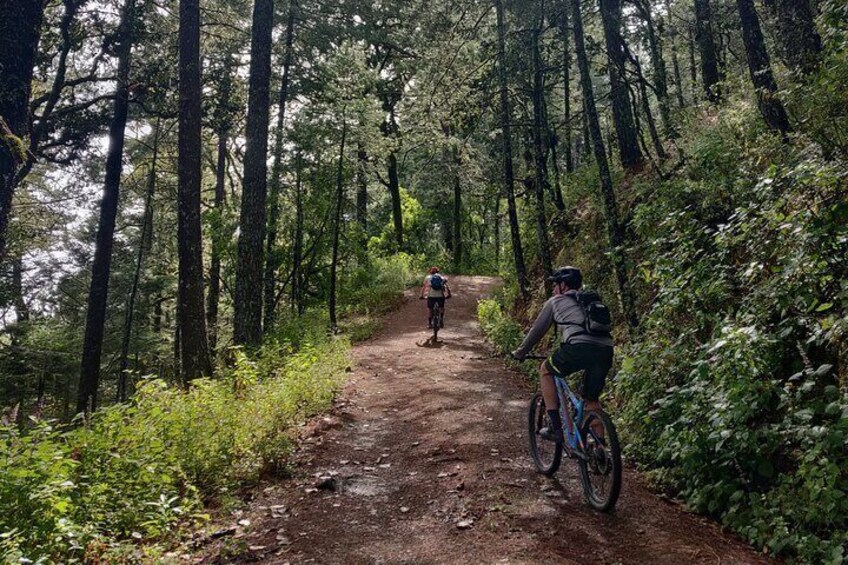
(565, 312)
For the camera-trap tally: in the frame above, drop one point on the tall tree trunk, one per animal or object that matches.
(614, 228)
(625, 128)
(297, 246)
(538, 153)
(646, 107)
(675, 61)
(394, 191)
(95, 320)
(801, 44)
(272, 261)
(362, 190)
(658, 63)
(218, 241)
(709, 55)
(566, 87)
(457, 210)
(508, 174)
(20, 30)
(337, 227)
(247, 323)
(693, 67)
(21, 307)
(759, 66)
(193, 345)
(143, 247)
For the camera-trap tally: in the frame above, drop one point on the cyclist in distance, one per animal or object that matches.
(579, 349)
(436, 290)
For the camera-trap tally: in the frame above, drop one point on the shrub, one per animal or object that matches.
(139, 471)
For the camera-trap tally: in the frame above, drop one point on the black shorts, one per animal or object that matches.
(595, 360)
(433, 300)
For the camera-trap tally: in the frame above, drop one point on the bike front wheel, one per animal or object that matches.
(600, 471)
(546, 454)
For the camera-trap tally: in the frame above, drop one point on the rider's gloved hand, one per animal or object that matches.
(517, 355)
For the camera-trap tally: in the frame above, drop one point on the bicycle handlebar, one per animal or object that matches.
(532, 356)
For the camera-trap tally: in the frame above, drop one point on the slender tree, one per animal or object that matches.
(506, 136)
(566, 87)
(272, 259)
(223, 125)
(20, 30)
(625, 127)
(457, 209)
(297, 245)
(800, 42)
(362, 188)
(538, 151)
(659, 76)
(709, 54)
(247, 323)
(337, 227)
(759, 67)
(192, 346)
(675, 60)
(95, 320)
(614, 228)
(143, 247)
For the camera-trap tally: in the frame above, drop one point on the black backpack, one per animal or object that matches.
(437, 282)
(597, 314)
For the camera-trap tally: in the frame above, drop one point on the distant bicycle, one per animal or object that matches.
(438, 321)
(597, 454)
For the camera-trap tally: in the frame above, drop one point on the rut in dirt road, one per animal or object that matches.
(425, 461)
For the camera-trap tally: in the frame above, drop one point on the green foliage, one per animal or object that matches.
(730, 396)
(503, 332)
(139, 471)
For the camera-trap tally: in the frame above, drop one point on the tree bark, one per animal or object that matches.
(566, 88)
(801, 44)
(272, 261)
(20, 30)
(394, 191)
(614, 228)
(362, 191)
(759, 67)
(247, 322)
(143, 247)
(508, 173)
(706, 45)
(95, 321)
(457, 211)
(297, 246)
(538, 153)
(625, 128)
(21, 307)
(217, 244)
(193, 346)
(337, 228)
(659, 75)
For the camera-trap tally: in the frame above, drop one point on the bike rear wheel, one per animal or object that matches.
(546, 454)
(437, 321)
(600, 471)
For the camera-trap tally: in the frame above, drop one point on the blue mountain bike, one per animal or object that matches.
(590, 439)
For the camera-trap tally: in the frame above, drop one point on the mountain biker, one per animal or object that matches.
(437, 290)
(579, 350)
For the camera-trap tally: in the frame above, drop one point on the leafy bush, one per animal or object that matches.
(138, 471)
(504, 333)
(730, 395)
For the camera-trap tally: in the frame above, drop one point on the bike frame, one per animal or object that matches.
(564, 392)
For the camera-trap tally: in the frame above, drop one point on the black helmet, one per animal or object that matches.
(568, 275)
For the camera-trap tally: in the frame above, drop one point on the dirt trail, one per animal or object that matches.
(426, 438)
